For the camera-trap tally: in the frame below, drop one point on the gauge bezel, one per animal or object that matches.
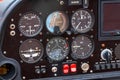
(67, 53)
(67, 22)
(88, 54)
(92, 24)
(40, 20)
(41, 54)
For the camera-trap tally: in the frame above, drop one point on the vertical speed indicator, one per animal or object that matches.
(82, 21)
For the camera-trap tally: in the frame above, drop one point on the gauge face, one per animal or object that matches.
(30, 24)
(82, 47)
(82, 21)
(31, 51)
(57, 22)
(57, 49)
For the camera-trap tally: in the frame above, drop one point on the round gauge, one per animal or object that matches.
(31, 51)
(82, 21)
(57, 49)
(82, 47)
(30, 24)
(57, 22)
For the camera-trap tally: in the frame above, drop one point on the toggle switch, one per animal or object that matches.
(65, 68)
(73, 68)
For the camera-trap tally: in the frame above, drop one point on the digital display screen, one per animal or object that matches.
(111, 17)
(109, 20)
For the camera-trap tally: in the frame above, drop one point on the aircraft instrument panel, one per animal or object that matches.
(61, 39)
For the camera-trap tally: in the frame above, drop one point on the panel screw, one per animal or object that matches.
(61, 2)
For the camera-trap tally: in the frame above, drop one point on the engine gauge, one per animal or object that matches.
(57, 22)
(82, 47)
(31, 51)
(30, 24)
(82, 21)
(57, 49)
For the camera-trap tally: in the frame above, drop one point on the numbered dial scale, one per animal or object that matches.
(82, 20)
(30, 24)
(31, 51)
(57, 49)
(82, 47)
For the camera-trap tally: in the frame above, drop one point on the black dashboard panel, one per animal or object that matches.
(57, 39)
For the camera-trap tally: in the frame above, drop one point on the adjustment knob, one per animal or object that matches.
(37, 71)
(85, 67)
(43, 70)
(106, 54)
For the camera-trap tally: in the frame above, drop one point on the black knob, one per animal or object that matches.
(37, 71)
(106, 54)
(57, 30)
(43, 70)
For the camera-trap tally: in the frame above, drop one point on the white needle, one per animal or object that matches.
(81, 15)
(30, 50)
(30, 30)
(76, 46)
(78, 25)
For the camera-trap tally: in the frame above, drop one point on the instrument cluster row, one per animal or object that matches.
(31, 23)
(57, 49)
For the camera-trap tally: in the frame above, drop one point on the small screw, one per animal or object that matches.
(4, 52)
(24, 77)
(12, 19)
(61, 2)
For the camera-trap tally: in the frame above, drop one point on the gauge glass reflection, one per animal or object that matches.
(82, 47)
(31, 51)
(57, 22)
(82, 21)
(57, 49)
(30, 24)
